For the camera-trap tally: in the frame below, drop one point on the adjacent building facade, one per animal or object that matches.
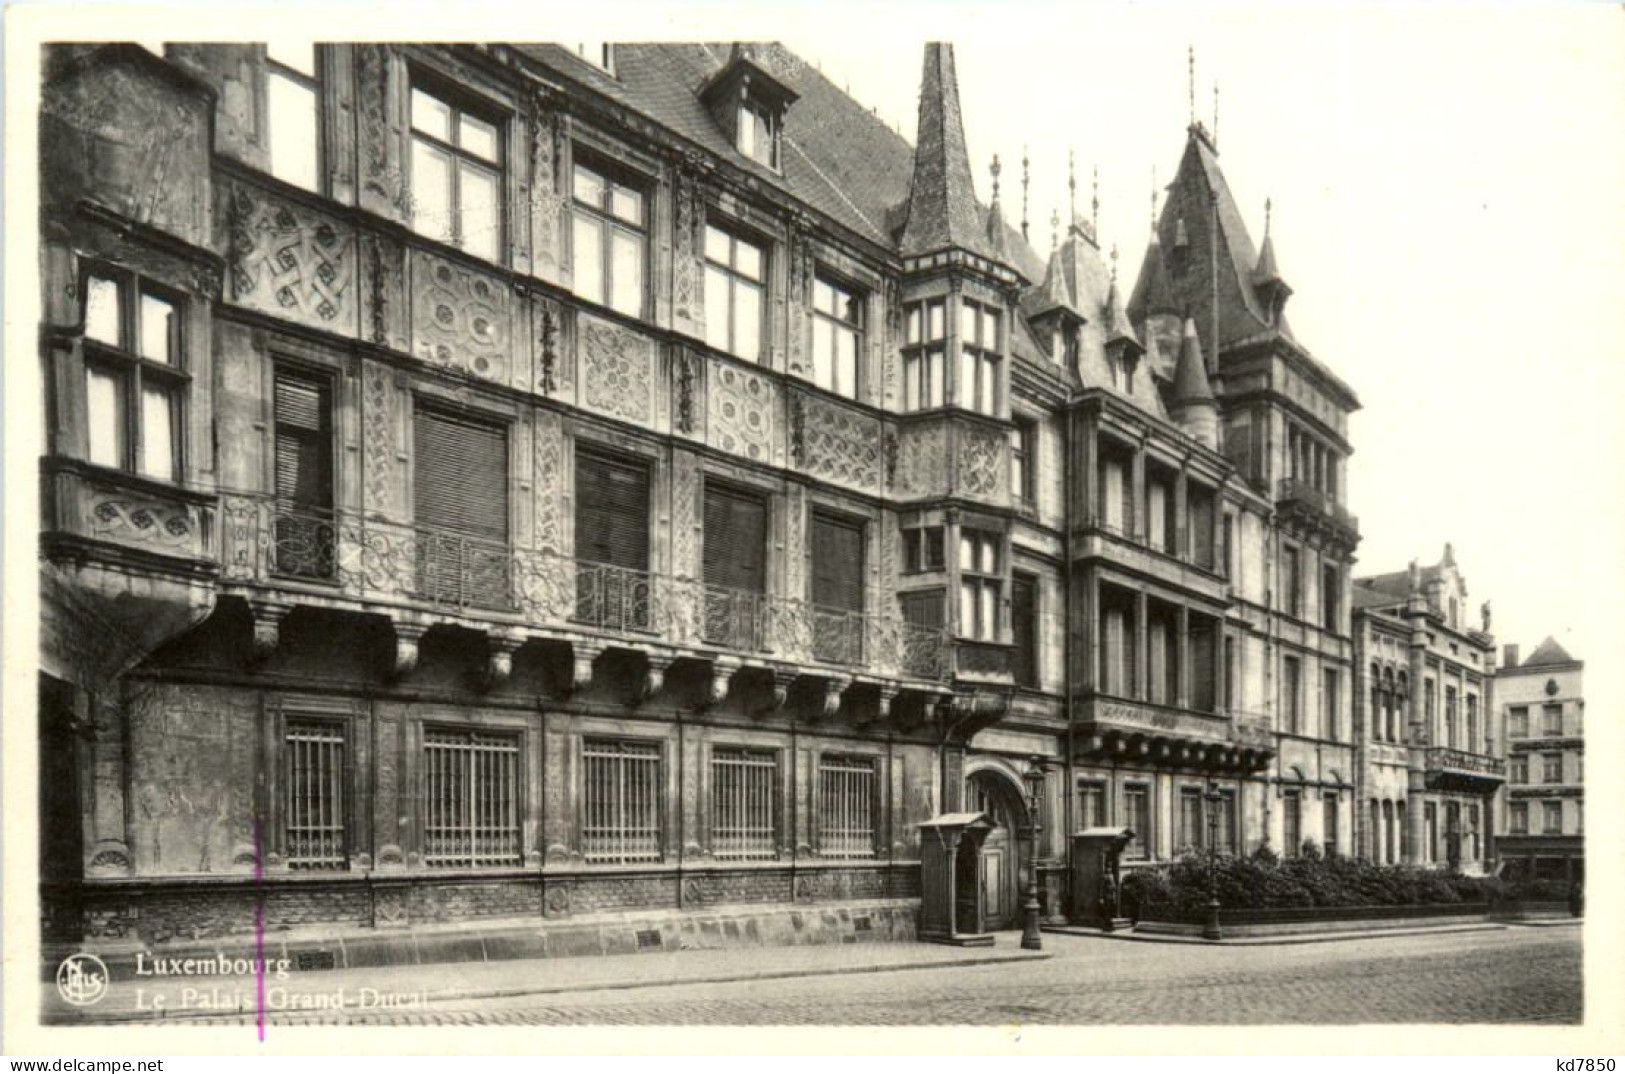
(1432, 748)
(1542, 821)
(606, 486)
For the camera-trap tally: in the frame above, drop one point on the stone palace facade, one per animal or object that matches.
(618, 488)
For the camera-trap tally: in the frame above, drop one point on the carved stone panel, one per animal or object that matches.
(461, 319)
(617, 371)
(980, 465)
(291, 262)
(741, 406)
(839, 444)
(547, 192)
(378, 438)
(922, 460)
(549, 482)
(383, 178)
(685, 515)
(384, 312)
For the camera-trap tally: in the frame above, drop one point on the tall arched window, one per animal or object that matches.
(1388, 831)
(1388, 703)
(1402, 698)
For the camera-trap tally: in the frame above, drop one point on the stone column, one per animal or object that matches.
(1182, 653)
(1140, 522)
(1142, 655)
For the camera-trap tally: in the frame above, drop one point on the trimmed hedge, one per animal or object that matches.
(1263, 880)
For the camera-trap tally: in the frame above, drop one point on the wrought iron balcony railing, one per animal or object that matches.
(376, 561)
(1444, 759)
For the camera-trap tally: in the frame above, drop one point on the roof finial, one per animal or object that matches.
(1215, 113)
(994, 168)
(1190, 92)
(1268, 207)
(1153, 199)
(1094, 204)
(1026, 178)
(1114, 264)
(1054, 230)
(1072, 188)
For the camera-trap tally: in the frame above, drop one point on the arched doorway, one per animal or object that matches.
(996, 795)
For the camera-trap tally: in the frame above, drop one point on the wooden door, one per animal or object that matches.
(996, 886)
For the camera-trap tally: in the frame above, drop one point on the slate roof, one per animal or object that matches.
(1548, 654)
(1190, 378)
(942, 209)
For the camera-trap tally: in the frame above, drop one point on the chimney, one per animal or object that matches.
(1509, 657)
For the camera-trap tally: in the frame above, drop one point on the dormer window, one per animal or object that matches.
(748, 102)
(759, 134)
(600, 54)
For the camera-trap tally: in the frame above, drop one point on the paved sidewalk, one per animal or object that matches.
(1275, 940)
(406, 988)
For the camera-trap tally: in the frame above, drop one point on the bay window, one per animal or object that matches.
(924, 354)
(980, 584)
(134, 375)
(979, 354)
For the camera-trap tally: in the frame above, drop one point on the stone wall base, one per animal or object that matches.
(498, 939)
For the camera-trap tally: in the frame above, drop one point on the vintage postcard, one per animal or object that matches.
(992, 519)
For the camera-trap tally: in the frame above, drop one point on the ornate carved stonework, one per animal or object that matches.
(547, 347)
(685, 267)
(799, 299)
(741, 411)
(617, 371)
(690, 369)
(386, 295)
(921, 460)
(124, 518)
(377, 429)
(685, 515)
(549, 482)
(981, 462)
(890, 363)
(548, 201)
(840, 445)
(795, 541)
(461, 319)
(291, 262)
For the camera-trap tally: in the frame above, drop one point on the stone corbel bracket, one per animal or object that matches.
(783, 679)
(835, 688)
(407, 637)
(268, 618)
(722, 673)
(654, 677)
(582, 657)
(499, 663)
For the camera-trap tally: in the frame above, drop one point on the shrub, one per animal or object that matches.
(1262, 880)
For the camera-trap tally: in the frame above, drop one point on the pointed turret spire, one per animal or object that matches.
(942, 210)
(1071, 188)
(1119, 329)
(1094, 205)
(1273, 290)
(995, 218)
(1194, 408)
(1026, 181)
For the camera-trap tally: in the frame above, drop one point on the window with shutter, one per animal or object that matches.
(304, 474)
(612, 542)
(837, 589)
(1204, 656)
(735, 566)
(460, 503)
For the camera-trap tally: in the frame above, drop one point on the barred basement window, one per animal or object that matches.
(846, 807)
(470, 799)
(744, 793)
(313, 783)
(621, 813)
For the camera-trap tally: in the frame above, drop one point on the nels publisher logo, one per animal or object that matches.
(81, 979)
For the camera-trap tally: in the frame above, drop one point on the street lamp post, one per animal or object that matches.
(1031, 940)
(1211, 930)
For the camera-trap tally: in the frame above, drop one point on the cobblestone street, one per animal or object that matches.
(1510, 976)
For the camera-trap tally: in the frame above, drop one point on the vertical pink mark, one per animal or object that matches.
(259, 931)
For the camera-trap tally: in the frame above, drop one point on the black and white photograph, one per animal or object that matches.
(1029, 522)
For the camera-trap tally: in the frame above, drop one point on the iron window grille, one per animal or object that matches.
(134, 374)
(314, 801)
(470, 799)
(609, 240)
(457, 174)
(846, 807)
(621, 809)
(744, 804)
(735, 293)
